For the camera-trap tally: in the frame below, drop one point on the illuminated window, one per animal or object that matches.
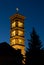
(20, 32)
(13, 24)
(20, 41)
(13, 41)
(13, 33)
(20, 24)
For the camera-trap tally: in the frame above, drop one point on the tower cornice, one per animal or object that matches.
(17, 16)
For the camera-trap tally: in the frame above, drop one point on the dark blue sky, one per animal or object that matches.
(33, 10)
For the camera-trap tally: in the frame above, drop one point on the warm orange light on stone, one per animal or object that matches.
(20, 24)
(13, 33)
(20, 32)
(17, 32)
(13, 24)
(13, 41)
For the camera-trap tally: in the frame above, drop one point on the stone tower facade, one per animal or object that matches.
(17, 32)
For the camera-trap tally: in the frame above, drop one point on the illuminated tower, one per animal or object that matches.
(17, 32)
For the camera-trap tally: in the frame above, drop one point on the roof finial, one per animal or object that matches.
(17, 9)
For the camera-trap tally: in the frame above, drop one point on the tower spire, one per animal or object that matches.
(17, 9)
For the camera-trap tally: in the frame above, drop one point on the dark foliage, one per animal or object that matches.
(9, 56)
(34, 42)
(35, 54)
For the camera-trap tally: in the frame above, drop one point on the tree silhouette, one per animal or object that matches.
(33, 53)
(34, 42)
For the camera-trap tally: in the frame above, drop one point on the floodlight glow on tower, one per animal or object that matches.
(17, 32)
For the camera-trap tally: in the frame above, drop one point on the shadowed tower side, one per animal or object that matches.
(17, 32)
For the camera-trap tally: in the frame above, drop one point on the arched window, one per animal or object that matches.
(13, 33)
(20, 32)
(13, 24)
(13, 41)
(20, 24)
(20, 41)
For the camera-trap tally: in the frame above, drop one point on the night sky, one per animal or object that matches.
(33, 10)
